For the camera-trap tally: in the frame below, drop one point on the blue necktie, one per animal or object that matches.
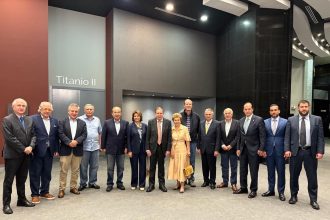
(21, 119)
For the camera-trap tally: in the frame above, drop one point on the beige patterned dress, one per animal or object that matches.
(179, 148)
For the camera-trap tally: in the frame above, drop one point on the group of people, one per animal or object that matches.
(32, 142)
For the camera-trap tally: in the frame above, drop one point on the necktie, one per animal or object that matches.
(246, 124)
(302, 135)
(159, 133)
(274, 126)
(207, 125)
(21, 119)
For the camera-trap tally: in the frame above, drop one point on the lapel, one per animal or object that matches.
(211, 125)
(223, 128)
(52, 126)
(312, 123)
(250, 124)
(279, 124)
(203, 127)
(296, 124)
(41, 122)
(68, 127)
(19, 123)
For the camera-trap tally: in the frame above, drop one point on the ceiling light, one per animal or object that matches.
(319, 34)
(169, 7)
(327, 45)
(295, 39)
(323, 40)
(299, 44)
(204, 18)
(246, 23)
(305, 48)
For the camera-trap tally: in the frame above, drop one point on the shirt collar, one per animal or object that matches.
(250, 117)
(208, 122)
(277, 118)
(228, 121)
(85, 117)
(44, 117)
(306, 117)
(116, 121)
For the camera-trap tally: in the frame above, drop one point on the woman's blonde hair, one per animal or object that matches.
(176, 115)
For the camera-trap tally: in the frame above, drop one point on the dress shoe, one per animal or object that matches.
(205, 184)
(234, 187)
(35, 199)
(315, 205)
(268, 193)
(109, 188)
(192, 183)
(150, 188)
(241, 191)
(25, 203)
(81, 188)
(293, 200)
(252, 194)
(7, 210)
(162, 188)
(121, 187)
(74, 191)
(281, 196)
(94, 186)
(222, 185)
(212, 186)
(61, 194)
(47, 196)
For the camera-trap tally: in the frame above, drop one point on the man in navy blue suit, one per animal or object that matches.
(114, 142)
(304, 143)
(274, 146)
(46, 131)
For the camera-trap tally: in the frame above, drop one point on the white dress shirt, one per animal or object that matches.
(73, 126)
(117, 125)
(308, 129)
(46, 123)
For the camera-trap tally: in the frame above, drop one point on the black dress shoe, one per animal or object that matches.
(7, 210)
(109, 188)
(293, 200)
(121, 187)
(315, 205)
(241, 191)
(192, 184)
(162, 188)
(94, 186)
(150, 188)
(281, 196)
(252, 194)
(205, 184)
(268, 193)
(81, 188)
(25, 203)
(212, 186)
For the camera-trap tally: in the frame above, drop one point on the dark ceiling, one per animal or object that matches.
(191, 8)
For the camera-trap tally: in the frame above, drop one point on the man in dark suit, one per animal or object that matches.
(209, 140)
(274, 146)
(158, 145)
(114, 142)
(19, 142)
(47, 144)
(72, 132)
(252, 129)
(229, 137)
(304, 142)
(191, 120)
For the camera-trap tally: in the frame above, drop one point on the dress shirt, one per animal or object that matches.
(94, 129)
(227, 127)
(117, 125)
(46, 123)
(308, 129)
(73, 127)
(276, 123)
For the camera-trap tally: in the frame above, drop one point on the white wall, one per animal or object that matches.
(297, 84)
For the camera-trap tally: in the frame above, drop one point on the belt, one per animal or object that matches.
(304, 148)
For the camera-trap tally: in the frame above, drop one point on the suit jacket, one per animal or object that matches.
(232, 138)
(65, 135)
(275, 142)
(16, 137)
(152, 135)
(254, 138)
(113, 143)
(44, 140)
(291, 141)
(134, 142)
(194, 124)
(209, 142)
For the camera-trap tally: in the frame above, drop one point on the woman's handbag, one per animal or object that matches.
(188, 170)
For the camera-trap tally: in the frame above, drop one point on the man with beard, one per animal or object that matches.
(304, 142)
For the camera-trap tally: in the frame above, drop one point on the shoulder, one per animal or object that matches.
(283, 119)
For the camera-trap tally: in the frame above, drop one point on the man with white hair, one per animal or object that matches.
(47, 144)
(19, 142)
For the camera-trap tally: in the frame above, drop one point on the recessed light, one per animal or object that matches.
(323, 40)
(327, 45)
(246, 23)
(169, 7)
(204, 18)
(319, 34)
(153, 95)
(305, 48)
(299, 43)
(295, 39)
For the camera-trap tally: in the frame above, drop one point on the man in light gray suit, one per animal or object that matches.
(304, 142)
(20, 140)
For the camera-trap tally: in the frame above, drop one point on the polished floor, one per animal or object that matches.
(195, 203)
